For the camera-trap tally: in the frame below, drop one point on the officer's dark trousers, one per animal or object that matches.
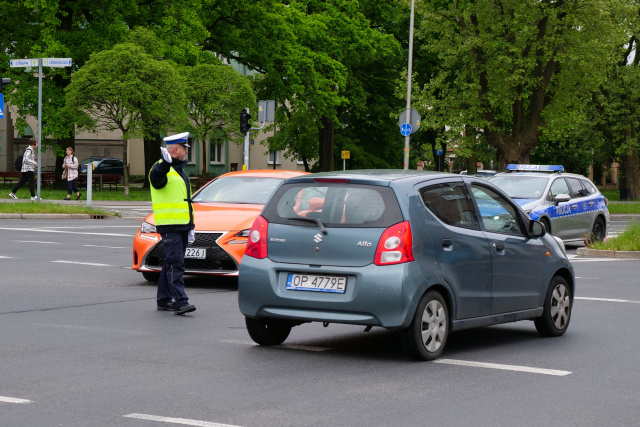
(24, 177)
(171, 281)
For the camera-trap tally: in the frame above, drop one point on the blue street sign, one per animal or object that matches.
(405, 129)
(439, 151)
(1, 106)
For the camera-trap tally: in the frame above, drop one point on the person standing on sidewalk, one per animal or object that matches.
(28, 171)
(173, 215)
(70, 166)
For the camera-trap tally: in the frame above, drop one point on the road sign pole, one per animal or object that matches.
(407, 138)
(39, 125)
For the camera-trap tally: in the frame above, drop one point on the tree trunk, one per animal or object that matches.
(326, 135)
(204, 157)
(151, 156)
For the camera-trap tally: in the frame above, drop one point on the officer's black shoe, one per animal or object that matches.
(166, 306)
(185, 308)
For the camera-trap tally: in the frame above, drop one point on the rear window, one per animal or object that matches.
(336, 205)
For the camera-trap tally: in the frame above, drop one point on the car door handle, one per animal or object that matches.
(574, 206)
(447, 242)
(499, 246)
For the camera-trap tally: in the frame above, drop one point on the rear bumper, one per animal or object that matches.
(374, 294)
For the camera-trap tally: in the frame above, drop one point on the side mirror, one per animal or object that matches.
(561, 198)
(536, 228)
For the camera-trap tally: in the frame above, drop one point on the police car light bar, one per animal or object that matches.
(536, 168)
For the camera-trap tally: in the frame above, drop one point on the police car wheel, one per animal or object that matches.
(547, 225)
(557, 309)
(268, 331)
(597, 234)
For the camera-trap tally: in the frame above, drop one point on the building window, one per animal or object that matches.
(191, 150)
(273, 154)
(216, 151)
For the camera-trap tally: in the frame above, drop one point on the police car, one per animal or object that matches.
(569, 205)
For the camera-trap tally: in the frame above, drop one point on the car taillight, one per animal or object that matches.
(257, 244)
(395, 245)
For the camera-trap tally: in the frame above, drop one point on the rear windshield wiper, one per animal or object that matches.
(314, 220)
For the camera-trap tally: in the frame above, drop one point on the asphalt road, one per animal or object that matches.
(82, 344)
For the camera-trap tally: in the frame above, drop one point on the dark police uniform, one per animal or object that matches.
(173, 216)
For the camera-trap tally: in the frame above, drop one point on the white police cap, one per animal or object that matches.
(180, 138)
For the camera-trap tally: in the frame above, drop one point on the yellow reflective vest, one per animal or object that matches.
(170, 205)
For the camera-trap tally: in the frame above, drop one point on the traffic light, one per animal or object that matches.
(244, 121)
(4, 81)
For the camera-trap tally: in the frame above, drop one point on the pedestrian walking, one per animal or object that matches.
(70, 166)
(28, 171)
(173, 215)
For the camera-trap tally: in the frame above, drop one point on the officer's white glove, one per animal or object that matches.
(165, 155)
(192, 236)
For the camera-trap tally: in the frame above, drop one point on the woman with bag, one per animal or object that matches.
(70, 166)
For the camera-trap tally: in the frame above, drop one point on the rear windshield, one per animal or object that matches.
(238, 189)
(335, 205)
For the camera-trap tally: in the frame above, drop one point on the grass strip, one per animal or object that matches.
(48, 208)
(629, 240)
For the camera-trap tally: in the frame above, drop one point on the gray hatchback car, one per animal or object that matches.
(424, 253)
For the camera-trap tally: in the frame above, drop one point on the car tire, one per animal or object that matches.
(267, 331)
(557, 309)
(597, 233)
(547, 225)
(150, 277)
(427, 334)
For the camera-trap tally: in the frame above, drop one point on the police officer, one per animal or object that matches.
(173, 215)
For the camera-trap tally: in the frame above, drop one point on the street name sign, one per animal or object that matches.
(23, 63)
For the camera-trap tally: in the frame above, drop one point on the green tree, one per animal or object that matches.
(215, 95)
(304, 51)
(516, 69)
(116, 88)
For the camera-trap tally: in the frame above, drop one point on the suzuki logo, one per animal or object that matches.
(317, 238)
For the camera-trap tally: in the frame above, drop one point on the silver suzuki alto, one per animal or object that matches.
(424, 253)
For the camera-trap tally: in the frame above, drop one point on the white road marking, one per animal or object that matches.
(13, 400)
(182, 421)
(503, 367)
(5, 257)
(95, 264)
(36, 241)
(108, 247)
(587, 278)
(67, 232)
(287, 346)
(600, 259)
(93, 329)
(608, 300)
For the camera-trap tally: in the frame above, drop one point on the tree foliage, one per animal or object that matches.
(119, 87)
(215, 95)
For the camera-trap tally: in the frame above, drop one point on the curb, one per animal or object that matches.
(607, 253)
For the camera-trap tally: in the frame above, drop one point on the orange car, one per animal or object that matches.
(224, 210)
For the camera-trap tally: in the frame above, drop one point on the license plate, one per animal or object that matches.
(195, 253)
(317, 283)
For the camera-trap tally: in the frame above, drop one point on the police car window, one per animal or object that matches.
(452, 204)
(559, 186)
(526, 186)
(577, 190)
(496, 213)
(589, 187)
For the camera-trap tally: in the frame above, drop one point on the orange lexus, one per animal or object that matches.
(224, 211)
